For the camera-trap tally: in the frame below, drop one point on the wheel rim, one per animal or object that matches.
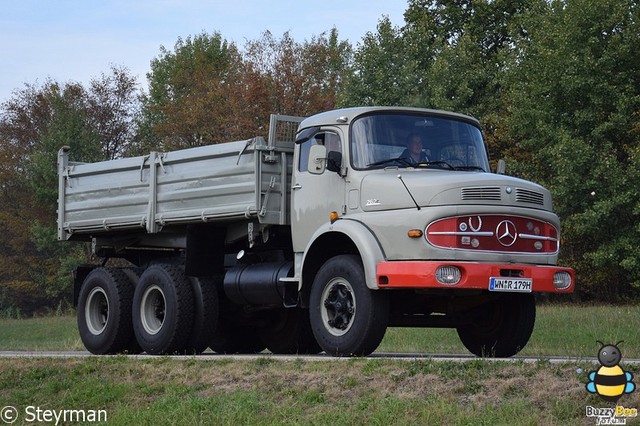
(96, 311)
(152, 309)
(338, 308)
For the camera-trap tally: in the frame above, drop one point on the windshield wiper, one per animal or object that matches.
(469, 168)
(442, 164)
(435, 163)
(448, 166)
(401, 160)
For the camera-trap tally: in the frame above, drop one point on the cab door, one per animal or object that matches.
(319, 191)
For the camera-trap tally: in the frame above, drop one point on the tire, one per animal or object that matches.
(347, 318)
(104, 312)
(134, 275)
(205, 315)
(163, 310)
(502, 327)
(290, 333)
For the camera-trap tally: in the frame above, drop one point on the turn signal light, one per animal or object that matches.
(414, 233)
(333, 216)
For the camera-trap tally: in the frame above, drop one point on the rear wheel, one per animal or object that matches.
(163, 310)
(501, 328)
(205, 314)
(134, 275)
(347, 318)
(104, 312)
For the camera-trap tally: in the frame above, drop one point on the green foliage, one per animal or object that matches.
(382, 73)
(206, 91)
(68, 126)
(186, 104)
(575, 100)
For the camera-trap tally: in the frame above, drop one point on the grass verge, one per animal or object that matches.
(269, 391)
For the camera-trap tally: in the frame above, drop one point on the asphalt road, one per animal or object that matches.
(211, 356)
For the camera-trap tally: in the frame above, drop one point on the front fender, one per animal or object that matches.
(363, 238)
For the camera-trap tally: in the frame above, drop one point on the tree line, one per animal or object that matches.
(556, 84)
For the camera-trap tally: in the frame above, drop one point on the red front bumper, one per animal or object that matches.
(421, 274)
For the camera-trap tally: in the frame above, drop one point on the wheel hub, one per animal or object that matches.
(152, 310)
(96, 311)
(338, 307)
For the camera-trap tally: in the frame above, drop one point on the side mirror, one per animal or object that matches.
(317, 158)
(502, 167)
(334, 161)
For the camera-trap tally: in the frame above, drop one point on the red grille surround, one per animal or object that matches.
(498, 233)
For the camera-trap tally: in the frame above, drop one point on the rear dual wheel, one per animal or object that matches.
(205, 311)
(104, 312)
(162, 312)
(173, 313)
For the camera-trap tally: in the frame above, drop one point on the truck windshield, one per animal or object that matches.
(416, 140)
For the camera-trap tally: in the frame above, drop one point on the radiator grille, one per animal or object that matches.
(481, 193)
(531, 197)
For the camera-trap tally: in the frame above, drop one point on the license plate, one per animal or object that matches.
(523, 285)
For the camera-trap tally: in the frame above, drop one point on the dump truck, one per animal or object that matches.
(318, 238)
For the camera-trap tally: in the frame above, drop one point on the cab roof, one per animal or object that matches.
(345, 116)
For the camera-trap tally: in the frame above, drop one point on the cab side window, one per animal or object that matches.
(329, 139)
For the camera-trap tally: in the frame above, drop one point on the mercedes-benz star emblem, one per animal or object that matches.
(506, 233)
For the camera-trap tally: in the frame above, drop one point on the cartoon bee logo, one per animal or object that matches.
(610, 381)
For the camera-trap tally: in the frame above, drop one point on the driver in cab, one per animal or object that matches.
(414, 153)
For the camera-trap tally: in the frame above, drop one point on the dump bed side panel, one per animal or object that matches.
(95, 196)
(203, 184)
(241, 180)
(206, 184)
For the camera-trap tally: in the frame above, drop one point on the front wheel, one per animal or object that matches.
(347, 318)
(501, 327)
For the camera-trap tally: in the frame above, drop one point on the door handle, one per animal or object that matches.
(296, 186)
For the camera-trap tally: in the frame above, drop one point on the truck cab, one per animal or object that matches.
(406, 197)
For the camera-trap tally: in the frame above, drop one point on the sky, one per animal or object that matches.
(76, 40)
